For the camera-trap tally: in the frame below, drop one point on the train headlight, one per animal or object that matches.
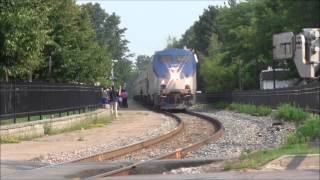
(187, 81)
(163, 84)
(187, 89)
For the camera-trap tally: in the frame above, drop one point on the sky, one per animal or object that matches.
(150, 23)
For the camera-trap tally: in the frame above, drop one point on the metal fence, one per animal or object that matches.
(29, 99)
(307, 97)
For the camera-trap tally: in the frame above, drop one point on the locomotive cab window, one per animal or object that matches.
(184, 58)
(166, 59)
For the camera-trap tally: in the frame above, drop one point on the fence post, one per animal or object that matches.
(28, 92)
(14, 101)
(41, 101)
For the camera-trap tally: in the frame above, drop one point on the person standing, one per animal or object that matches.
(113, 96)
(120, 98)
(104, 98)
(124, 96)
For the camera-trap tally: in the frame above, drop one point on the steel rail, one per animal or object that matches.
(177, 154)
(109, 155)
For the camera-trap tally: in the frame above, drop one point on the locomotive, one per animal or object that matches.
(168, 81)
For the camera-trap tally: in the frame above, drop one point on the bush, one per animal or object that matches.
(221, 105)
(309, 130)
(292, 113)
(9, 139)
(251, 109)
(48, 129)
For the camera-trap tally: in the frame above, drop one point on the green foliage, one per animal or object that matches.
(47, 128)
(23, 34)
(141, 62)
(257, 159)
(87, 124)
(8, 139)
(235, 41)
(17, 139)
(50, 130)
(221, 105)
(59, 41)
(110, 36)
(296, 143)
(172, 42)
(292, 113)
(309, 130)
(251, 109)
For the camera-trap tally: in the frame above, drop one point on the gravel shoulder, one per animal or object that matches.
(134, 124)
(243, 133)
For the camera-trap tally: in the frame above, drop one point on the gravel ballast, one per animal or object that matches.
(243, 133)
(195, 130)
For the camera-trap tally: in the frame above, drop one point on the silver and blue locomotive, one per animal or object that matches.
(168, 80)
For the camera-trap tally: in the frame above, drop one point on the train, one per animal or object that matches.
(168, 81)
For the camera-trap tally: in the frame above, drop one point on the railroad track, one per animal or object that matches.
(191, 133)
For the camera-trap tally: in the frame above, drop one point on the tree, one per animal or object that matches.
(141, 62)
(23, 34)
(232, 3)
(237, 39)
(111, 37)
(203, 29)
(75, 53)
(58, 41)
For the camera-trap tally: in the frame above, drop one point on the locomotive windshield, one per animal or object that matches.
(172, 59)
(175, 60)
(166, 59)
(184, 58)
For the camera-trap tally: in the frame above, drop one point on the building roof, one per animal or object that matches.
(280, 74)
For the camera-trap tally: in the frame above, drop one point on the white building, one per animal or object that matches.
(281, 79)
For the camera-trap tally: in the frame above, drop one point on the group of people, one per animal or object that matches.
(112, 97)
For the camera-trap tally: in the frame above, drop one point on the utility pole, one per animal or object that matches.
(112, 71)
(239, 74)
(274, 74)
(50, 66)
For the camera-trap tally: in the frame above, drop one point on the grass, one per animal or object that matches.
(291, 113)
(221, 105)
(50, 130)
(251, 109)
(17, 139)
(244, 108)
(37, 117)
(256, 159)
(309, 130)
(296, 143)
(88, 124)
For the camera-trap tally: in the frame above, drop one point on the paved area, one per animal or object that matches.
(132, 123)
(32, 170)
(311, 161)
(312, 174)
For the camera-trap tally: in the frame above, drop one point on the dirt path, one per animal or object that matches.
(132, 122)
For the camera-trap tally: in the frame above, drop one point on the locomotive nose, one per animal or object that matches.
(174, 73)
